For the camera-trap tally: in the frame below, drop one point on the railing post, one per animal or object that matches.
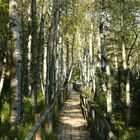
(59, 99)
(48, 124)
(38, 133)
(61, 96)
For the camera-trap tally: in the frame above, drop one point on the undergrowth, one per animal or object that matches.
(8, 132)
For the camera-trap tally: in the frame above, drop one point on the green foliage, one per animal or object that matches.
(21, 131)
(101, 103)
(5, 112)
(28, 111)
(133, 132)
(76, 73)
(45, 136)
(81, 15)
(41, 102)
(9, 133)
(49, 137)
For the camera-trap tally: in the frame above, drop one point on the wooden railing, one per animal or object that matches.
(98, 125)
(49, 115)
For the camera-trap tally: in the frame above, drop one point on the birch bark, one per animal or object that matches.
(29, 52)
(16, 56)
(2, 78)
(34, 54)
(125, 67)
(43, 47)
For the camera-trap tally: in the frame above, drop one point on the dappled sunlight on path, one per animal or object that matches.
(72, 125)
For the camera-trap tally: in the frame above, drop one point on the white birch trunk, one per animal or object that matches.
(2, 78)
(65, 69)
(91, 61)
(128, 101)
(58, 38)
(85, 69)
(84, 63)
(49, 45)
(16, 68)
(109, 92)
(94, 80)
(122, 37)
(67, 56)
(29, 51)
(60, 59)
(80, 57)
(88, 71)
(115, 58)
(124, 56)
(60, 64)
(44, 69)
(43, 47)
(125, 67)
(99, 52)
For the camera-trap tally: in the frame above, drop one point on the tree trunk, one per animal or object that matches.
(35, 70)
(49, 45)
(60, 62)
(42, 51)
(109, 92)
(67, 49)
(24, 78)
(125, 67)
(115, 58)
(16, 66)
(122, 36)
(2, 78)
(55, 45)
(29, 51)
(91, 62)
(128, 100)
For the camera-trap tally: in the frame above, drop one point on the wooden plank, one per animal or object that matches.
(72, 121)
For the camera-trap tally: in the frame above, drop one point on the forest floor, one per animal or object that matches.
(72, 125)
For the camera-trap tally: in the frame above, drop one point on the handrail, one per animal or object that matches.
(37, 126)
(96, 119)
(97, 123)
(43, 118)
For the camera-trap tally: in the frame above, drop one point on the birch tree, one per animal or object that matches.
(35, 76)
(125, 66)
(29, 52)
(16, 66)
(42, 51)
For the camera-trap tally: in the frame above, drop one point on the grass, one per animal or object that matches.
(7, 132)
(133, 132)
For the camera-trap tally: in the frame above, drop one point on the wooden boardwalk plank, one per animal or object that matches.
(71, 120)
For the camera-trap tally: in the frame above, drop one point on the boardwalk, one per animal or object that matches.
(72, 125)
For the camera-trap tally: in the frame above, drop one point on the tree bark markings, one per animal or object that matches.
(16, 67)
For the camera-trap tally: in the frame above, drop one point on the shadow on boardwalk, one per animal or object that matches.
(72, 125)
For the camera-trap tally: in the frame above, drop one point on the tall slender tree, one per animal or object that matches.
(16, 61)
(34, 45)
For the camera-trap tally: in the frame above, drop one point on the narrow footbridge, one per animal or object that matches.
(72, 125)
(76, 116)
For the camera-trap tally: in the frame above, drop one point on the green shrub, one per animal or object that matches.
(5, 112)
